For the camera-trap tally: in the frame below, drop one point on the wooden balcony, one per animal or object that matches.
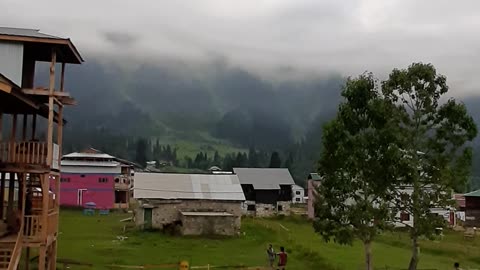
(31, 153)
(33, 227)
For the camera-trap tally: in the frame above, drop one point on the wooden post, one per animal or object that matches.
(21, 192)
(11, 193)
(1, 126)
(34, 125)
(42, 257)
(51, 109)
(14, 128)
(2, 194)
(53, 259)
(45, 198)
(62, 78)
(60, 134)
(24, 129)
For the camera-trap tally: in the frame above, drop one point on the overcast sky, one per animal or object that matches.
(343, 36)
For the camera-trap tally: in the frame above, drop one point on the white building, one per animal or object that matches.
(298, 194)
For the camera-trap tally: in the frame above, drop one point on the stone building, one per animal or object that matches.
(193, 204)
(268, 191)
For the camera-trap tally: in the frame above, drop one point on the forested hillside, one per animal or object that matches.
(217, 109)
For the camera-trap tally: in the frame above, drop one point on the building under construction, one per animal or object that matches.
(31, 128)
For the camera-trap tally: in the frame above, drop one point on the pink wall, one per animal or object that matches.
(100, 192)
(312, 184)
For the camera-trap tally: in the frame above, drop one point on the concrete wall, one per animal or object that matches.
(101, 193)
(210, 225)
(168, 211)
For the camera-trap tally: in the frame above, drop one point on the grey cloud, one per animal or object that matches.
(311, 36)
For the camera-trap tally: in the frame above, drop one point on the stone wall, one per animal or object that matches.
(269, 210)
(168, 211)
(210, 225)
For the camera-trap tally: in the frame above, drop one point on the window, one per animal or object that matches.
(117, 180)
(103, 180)
(404, 216)
(297, 192)
(64, 180)
(82, 175)
(280, 208)
(297, 199)
(251, 207)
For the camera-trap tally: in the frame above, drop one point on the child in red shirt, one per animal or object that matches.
(282, 259)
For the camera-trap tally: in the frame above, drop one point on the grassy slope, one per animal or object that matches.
(93, 239)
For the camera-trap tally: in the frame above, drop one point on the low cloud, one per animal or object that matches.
(266, 36)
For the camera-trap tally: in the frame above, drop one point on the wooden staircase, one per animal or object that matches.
(6, 250)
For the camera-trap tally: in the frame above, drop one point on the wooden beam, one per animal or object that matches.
(25, 99)
(24, 128)
(44, 92)
(67, 101)
(51, 111)
(34, 126)
(62, 77)
(1, 126)
(5, 87)
(2, 194)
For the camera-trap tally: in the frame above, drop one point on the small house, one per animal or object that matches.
(268, 191)
(472, 209)
(298, 194)
(93, 176)
(192, 204)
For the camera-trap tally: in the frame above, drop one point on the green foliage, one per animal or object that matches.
(436, 159)
(359, 154)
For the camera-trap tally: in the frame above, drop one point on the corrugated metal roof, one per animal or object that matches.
(25, 32)
(90, 163)
(88, 155)
(475, 193)
(209, 214)
(264, 178)
(187, 186)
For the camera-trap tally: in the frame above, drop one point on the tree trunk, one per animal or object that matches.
(368, 255)
(414, 259)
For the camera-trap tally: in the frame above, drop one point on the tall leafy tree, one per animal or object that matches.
(275, 160)
(436, 159)
(357, 167)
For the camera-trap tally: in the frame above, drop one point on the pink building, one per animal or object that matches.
(93, 176)
(313, 182)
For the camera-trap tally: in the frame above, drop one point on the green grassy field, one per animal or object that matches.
(94, 240)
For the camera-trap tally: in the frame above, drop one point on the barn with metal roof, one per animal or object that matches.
(191, 204)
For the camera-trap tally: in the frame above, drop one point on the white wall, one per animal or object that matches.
(298, 194)
(11, 59)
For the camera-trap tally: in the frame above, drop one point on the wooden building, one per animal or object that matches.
(268, 191)
(472, 209)
(28, 162)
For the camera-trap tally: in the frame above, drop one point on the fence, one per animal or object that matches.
(69, 264)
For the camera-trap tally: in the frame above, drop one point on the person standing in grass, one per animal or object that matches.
(271, 255)
(282, 259)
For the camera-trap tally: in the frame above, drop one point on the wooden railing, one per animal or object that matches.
(33, 227)
(17, 250)
(26, 152)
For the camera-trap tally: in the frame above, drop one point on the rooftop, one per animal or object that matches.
(475, 193)
(264, 178)
(41, 44)
(187, 186)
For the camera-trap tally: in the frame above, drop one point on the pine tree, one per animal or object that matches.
(275, 160)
